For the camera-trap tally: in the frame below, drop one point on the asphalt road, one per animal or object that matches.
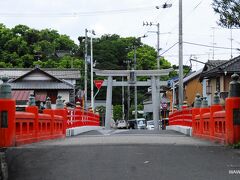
(124, 155)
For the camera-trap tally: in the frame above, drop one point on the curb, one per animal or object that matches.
(3, 167)
(182, 129)
(79, 130)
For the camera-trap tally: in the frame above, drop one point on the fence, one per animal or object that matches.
(17, 128)
(216, 123)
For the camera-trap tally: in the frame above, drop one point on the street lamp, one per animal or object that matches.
(92, 93)
(91, 61)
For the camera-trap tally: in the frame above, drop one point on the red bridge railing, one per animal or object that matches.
(213, 123)
(17, 128)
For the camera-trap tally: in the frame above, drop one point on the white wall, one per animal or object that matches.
(37, 76)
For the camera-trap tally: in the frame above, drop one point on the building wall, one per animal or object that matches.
(37, 76)
(191, 89)
(169, 95)
(224, 85)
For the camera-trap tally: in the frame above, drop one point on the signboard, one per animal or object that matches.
(98, 83)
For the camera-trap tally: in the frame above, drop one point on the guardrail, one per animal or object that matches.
(17, 128)
(216, 123)
(212, 123)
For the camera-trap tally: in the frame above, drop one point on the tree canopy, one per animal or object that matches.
(229, 12)
(24, 47)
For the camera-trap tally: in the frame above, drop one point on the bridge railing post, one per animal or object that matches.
(196, 111)
(214, 108)
(204, 109)
(32, 108)
(7, 115)
(233, 111)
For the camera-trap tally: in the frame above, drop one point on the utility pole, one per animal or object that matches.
(231, 39)
(180, 55)
(86, 66)
(92, 95)
(135, 86)
(128, 90)
(128, 93)
(123, 110)
(158, 96)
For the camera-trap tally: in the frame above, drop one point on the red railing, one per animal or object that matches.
(219, 119)
(18, 128)
(182, 117)
(213, 123)
(78, 117)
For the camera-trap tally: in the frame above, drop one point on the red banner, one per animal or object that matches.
(98, 83)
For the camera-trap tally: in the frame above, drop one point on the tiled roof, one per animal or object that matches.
(21, 95)
(229, 66)
(40, 85)
(58, 73)
(191, 76)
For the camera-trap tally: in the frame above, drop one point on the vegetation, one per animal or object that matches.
(23, 47)
(117, 112)
(229, 12)
(236, 146)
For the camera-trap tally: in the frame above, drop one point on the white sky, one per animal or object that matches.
(125, 17)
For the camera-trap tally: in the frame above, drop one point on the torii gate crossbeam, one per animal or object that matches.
(152, 73)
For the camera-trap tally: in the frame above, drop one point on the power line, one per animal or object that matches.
(76, 14)
(204, 45)
(201, 54)
(169, 48)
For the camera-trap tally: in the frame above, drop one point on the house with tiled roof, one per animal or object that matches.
(42, 83)
(191, 86)
(216, 76)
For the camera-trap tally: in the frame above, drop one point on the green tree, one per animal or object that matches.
(229, 12)
(63, 42)
(117, 112)
(145, 57)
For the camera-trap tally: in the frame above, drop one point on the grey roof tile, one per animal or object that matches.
(40, 85)
(58, 73)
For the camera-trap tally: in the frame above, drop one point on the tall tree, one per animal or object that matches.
(229, 11)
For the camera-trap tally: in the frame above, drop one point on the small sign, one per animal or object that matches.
(236, 116)
(4, 119)
(98, 83)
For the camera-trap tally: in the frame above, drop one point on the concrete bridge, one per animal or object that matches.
(124, 154)
(120, 154)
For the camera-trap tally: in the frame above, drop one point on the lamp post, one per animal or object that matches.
(91, 62)
(92, 93)
(85, 71)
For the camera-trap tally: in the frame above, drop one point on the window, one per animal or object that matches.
(208, 87)
(218, 84)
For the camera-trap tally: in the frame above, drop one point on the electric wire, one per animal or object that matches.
(76, 14)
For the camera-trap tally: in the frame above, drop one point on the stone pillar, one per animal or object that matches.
(108, 116)
(155, 104)
(198, 101)
(59, 103)
(48, 103)
(31, 100)
(204, 102)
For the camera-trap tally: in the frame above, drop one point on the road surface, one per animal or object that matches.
(124, 155)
